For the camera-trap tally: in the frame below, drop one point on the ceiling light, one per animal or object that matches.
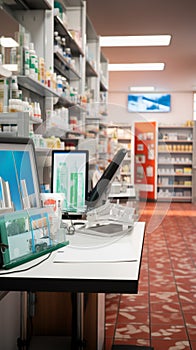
(141, 88)
(135, 40)
(8, 42)
(135, 66)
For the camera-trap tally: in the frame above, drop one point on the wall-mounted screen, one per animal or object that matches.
(149, 102)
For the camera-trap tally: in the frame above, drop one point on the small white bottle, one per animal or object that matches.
(14, 83)
(26, 64)
(59, 84)
(38, 110)
(32, 61)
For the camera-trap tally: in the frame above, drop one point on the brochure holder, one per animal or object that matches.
(28, 234)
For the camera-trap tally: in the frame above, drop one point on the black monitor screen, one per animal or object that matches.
(99, 193)
(70, 177)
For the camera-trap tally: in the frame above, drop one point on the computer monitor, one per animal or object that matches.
(70, 177)
(98, 195)
(19, 182)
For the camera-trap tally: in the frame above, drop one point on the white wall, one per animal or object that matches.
(9, 321)
(181, 110)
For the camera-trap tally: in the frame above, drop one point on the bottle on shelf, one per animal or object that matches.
(14, 83)
(59, 84)
(48, 81)
(26, 61)
(56, 43)
(33, 62)
(42, 71)
(13, 55)
(37, 110)
(66, 87)
(63, 45)
(68, 55)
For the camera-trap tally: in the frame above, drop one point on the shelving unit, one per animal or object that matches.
(16, 5)
(103, 73)
(87, 76)
(61, 65)
(98, 145)
(92, 60)
(17, 124)
(63, 31)
(103, 145)
(36, 87)
(90, 70)
(175, 148)
(39, 19)
(64, 68)
(121, 137)
(103, 78)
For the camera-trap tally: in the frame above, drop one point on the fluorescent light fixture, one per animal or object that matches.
(11, 67)
(135, 40)
(8, 42)
(141, 88)
(135, 66)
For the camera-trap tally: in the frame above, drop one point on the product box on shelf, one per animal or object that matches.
(4, 94)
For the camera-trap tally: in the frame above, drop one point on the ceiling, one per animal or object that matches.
(142, 17)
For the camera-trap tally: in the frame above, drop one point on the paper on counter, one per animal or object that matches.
(102, 250)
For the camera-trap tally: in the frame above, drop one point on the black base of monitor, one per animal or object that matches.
(73, 216)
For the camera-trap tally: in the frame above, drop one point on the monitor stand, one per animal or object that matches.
(73, 216)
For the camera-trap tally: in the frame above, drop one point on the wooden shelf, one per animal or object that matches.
(65, 68)
(174, 174)
(182, 152)
(175, 163)
(174, 186)
(175, 127)
(123, 173)
(175, 141)
(36, 87)
(27, 5)
(103, 86)
(176, 198)
(70, 42)
(90, 71)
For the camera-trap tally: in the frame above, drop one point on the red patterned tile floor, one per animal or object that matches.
(163, 313)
